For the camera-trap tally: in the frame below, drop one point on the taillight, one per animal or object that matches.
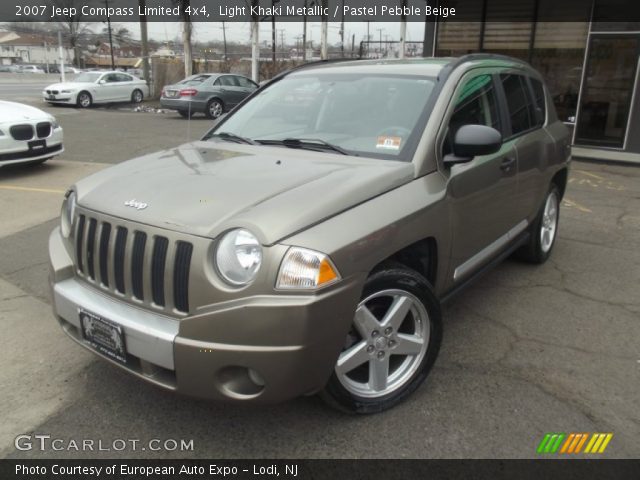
(164, 93)
(188, 92)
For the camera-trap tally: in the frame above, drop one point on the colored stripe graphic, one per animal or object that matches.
(551, 442)
(573, 443)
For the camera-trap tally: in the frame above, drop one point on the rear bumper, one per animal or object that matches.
(182, 104)
(305, 335)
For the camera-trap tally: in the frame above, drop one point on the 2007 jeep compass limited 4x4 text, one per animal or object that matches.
(305, 244)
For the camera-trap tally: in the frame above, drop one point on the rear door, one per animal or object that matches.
(481, 192)
(247, 87)
(230, 90)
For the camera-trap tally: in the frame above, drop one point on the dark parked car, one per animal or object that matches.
(208, 93)
(306, 244)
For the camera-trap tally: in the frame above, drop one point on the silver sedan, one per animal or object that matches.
(208, 93)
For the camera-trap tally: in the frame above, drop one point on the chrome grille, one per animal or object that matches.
(139, 265)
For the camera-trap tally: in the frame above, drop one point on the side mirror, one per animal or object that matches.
(102, 82)
(471, 141)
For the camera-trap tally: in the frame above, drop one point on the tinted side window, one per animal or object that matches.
(476, 105)
(245, 82)
(228, 81)
(538, 98)
(521, 111)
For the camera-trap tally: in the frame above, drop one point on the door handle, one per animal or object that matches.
(507, 163)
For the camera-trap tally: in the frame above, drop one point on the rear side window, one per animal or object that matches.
(245, 82)
(521, 109)
(228, 81)
(538, 98)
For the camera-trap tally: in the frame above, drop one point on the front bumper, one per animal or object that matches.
(271, 348)
(18, 151)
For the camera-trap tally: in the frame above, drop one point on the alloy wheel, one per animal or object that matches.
(386, 345)
(549, 224)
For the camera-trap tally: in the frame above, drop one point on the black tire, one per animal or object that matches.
(535, 251)
(401, 279)
(214, 109)
(185, 113)
(137, 96)
(84, 100)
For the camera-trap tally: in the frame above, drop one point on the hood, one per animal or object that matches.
(16, 112)
(206, 188)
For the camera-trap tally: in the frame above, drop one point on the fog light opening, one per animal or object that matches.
(240, 382)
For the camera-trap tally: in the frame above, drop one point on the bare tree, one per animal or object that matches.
(74, 29)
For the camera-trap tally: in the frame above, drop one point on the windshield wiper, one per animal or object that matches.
(307, 143)
(232, 137)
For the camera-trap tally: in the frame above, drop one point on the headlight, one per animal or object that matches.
(67, 214)
(54, 123)
(1, 133)
(66, 91)
(306, 270)
(238, 257)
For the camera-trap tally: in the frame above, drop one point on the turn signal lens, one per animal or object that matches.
(304, 269)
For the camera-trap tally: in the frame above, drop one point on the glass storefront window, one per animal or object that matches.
(607, 91)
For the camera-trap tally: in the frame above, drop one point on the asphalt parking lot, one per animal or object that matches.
(527, 350)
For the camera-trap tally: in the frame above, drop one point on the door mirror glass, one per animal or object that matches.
(473, 140)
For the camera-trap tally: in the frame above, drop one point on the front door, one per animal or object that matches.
(482, 193)
(608, 84)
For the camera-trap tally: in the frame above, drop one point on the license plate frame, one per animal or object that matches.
(103, 335)
(37, 145)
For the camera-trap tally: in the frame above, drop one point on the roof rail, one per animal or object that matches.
(485, 56)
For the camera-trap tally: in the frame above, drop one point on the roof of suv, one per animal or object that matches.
(430, 66)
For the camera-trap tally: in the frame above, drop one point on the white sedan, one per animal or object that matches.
(27, 134)
(90, 88)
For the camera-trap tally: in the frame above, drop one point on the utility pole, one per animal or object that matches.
(304, 34)
(113, 64)
(342, 32)
(255, 45)
(224, 39)
(61, 54)
(324, 53)
(380, 43)
(281, 42)
(145, 42)
(273, 34)
(403, 29)
(46, 57)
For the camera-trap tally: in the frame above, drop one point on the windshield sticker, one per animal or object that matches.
(389, 143)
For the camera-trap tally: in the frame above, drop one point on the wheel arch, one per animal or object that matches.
(420, 256)
(560, 180)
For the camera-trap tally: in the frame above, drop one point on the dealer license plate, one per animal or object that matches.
(103, 335)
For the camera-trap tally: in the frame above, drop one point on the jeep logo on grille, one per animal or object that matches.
(135, 204)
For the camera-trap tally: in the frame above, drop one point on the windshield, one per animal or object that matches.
(88, 77)
(379, 116)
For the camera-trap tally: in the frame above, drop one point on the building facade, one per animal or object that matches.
(590, 62)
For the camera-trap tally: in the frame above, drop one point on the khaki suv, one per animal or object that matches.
(305, 244)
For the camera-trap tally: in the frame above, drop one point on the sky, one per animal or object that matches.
(240, 31)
